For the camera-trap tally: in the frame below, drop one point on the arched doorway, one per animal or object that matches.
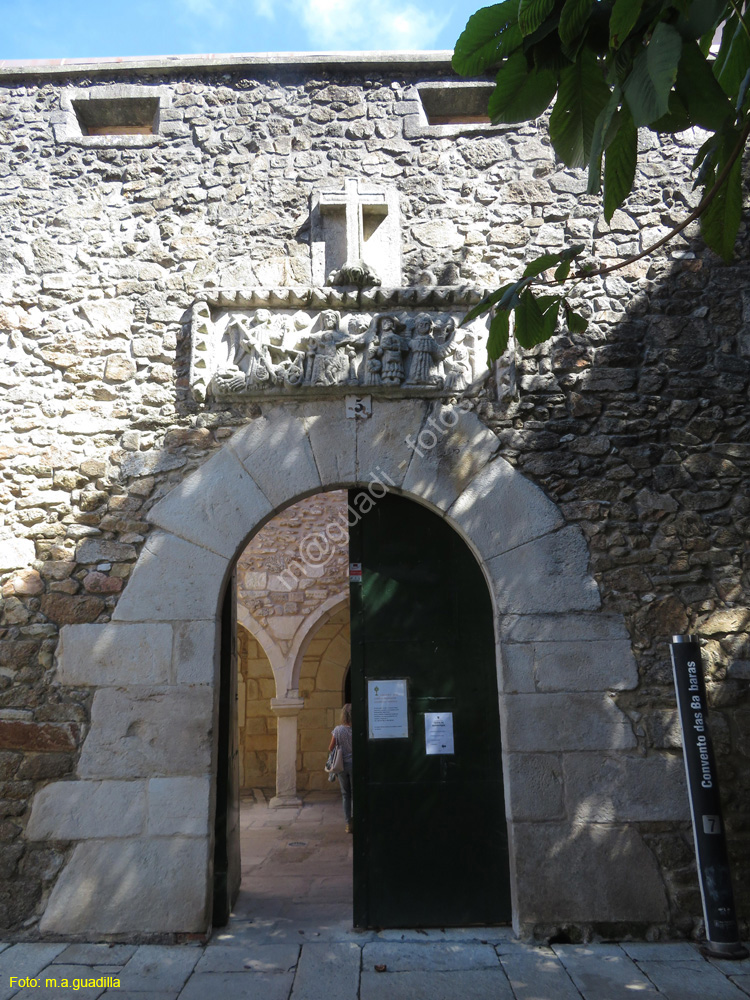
(546, 611)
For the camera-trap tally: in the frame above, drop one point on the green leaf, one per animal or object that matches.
(708, 147)
(490, 36)
(562, 272)
(654, 72)
(663, 56)
(532, 13)
(581, 97)
(499, 334)
(701, 17)
(675, 120)
(742, 93)
(521, 94)
(574, 321)
(550, 306)
(733, 59)
(529, 327)
(574, 17)
(602, 134)
(536, 318)
(619, 164)
(699, 91)
(721, 220)
(624, 15)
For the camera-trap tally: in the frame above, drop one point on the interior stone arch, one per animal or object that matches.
(560, 661)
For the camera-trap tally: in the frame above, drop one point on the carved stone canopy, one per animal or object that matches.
(299, 342)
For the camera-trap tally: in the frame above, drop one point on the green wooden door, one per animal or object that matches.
(430, 838)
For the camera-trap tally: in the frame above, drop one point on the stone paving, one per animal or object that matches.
(290, 938)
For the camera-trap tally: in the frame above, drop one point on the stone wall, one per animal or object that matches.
(638, 429)
(257, 723)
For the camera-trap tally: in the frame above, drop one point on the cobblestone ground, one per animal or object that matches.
(290, 938)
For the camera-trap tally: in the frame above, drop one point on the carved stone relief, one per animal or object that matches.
(412, 345)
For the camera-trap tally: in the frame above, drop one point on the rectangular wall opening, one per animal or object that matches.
(456, 104)
(117, 115)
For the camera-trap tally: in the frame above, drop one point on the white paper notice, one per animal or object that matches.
(387, 715)
(438, 732)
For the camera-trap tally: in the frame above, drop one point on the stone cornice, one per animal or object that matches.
(437, 61)
(324, 297)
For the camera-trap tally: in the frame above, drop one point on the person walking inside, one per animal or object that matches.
(342, 737)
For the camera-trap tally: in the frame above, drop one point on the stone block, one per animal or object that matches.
(173, 580)
(469, 984)
(217, 506)
(16, 553)
(382, 451)
(96, 954)
(312, 740)
(584, 666)
(146, 732)
(276, 451)
(549, 574)
(333, 438)
(114, 655)
(552, 722)
(432, 956)
(534, 783)
(618, 788)
(118, 887)
(517, 667)
(452, 447)
(239, 956)
(82, 810)
(179, 806)
(95, 550)
(500, 509)
(196, 653)
(66, 610)
(589, 873)
(160, 971)
(231, 986)
(560, 628)
(49, 737)
(339, 652)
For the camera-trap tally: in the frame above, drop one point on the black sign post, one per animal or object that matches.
(705, 805)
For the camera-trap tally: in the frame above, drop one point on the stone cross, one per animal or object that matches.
(357, 223)
(357, 205)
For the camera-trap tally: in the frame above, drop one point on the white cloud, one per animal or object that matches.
(265, 9)
(367, 24)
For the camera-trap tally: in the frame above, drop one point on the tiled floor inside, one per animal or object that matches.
(296, 863)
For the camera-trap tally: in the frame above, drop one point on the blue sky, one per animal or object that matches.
(56, 29)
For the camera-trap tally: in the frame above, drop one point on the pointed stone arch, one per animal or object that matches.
(559, 658)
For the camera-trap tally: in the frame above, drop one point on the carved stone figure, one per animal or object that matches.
(427, 353)
(326, 365)
(458, 370)
(356, 272)
(255, 336)
(393, 347)
(373, 365)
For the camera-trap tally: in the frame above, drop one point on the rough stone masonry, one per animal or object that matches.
(637, 431)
